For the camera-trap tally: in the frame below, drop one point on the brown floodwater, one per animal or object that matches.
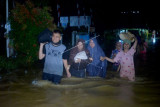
(76, 92)
(17, 89)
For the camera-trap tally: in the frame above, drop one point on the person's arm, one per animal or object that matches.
(109, 59)
(65, 62)
(66, 67)
(135, 43)
(41, 54)
(119, 66)
(71, 58)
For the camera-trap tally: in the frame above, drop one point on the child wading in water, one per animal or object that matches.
(125, 58)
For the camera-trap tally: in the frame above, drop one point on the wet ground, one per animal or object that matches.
(17, 88)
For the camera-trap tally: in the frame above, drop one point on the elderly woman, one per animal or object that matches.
(97, 67)
(126, 59)
(79, 59)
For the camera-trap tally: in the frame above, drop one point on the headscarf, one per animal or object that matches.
(96, 52)
(127, 41)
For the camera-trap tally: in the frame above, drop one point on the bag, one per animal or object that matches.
(80, 55)
(45, 36)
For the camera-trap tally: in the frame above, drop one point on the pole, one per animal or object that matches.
(7, 38)
(78, 15)
(58, 9)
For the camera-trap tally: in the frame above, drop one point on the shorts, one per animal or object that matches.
(51, 77)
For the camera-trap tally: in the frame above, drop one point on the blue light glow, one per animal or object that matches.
(122, 31)
(121, 41)
(154, 40)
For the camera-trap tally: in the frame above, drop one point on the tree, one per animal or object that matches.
(27, 21)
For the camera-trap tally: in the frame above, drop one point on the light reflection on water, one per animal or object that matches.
(75, 92)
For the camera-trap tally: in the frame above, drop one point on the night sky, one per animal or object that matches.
(113, 14)
(106, 14)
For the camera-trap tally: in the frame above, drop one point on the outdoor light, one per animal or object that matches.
(121, 41)
(8, 26)
(154, 40)
(122, 31)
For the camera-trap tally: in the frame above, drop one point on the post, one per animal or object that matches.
(7, 25)
(58, 9)
(74, 33)
(78, 15)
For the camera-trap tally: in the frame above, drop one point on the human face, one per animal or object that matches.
(126, 46)
(91, 43)
(56, 37)
(118, 46)
(80, 45)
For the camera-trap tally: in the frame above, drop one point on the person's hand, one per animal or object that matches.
(102, 58)
(91, 59)
(78, 60)
(68, 74)
(43, 43)
(135, 38)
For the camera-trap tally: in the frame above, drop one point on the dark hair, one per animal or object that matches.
(57, 31)
(81, 40)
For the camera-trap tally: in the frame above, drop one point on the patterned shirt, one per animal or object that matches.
(127, 63)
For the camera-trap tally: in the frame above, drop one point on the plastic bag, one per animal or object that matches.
(45, 36)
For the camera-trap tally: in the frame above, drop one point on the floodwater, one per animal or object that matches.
(75, 92)
(17, 89)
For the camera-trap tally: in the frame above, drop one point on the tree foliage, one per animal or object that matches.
(27, 21)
